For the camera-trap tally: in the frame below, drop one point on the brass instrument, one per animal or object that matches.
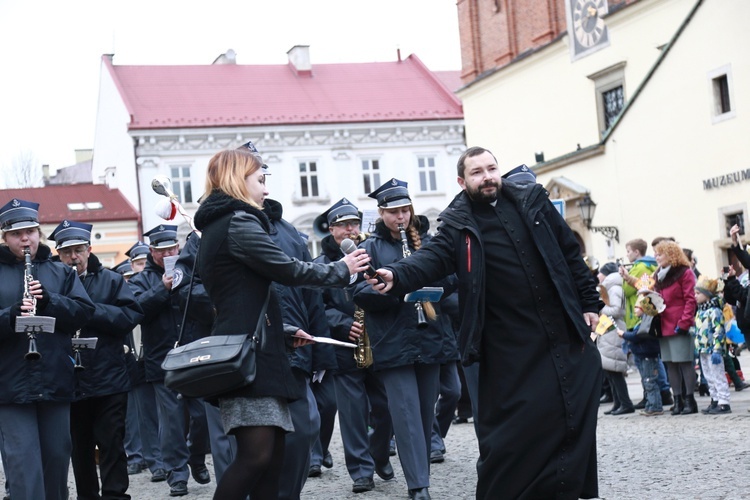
(363, 351)
(28, 277)
(421, 319)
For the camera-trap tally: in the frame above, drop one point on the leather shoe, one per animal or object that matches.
(420, 494)
(609, 412)
(605, 399)
(327, 460)
(314, 471)
(135, 469)
(158, 475)
(178, 489)
(363, 484)
(201, 474)
(622, 411)
(385, 472)
(460, 420)
(640, 405)
(436, 457)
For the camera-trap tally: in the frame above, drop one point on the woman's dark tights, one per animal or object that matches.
(256, 467)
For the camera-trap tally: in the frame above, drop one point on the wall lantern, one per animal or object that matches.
(588, 209)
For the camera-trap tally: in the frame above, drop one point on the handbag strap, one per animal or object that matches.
(187, 300)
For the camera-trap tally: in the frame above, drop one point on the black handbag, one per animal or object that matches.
(214, 365)
(650, 327)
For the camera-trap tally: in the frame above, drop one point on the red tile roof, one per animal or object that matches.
(241, 95)
(54, 199)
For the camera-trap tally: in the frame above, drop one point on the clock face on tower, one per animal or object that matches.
(586, 27)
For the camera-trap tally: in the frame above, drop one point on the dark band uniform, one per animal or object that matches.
(159, 331)
(35, 396)
(97, 415)
(360, 395)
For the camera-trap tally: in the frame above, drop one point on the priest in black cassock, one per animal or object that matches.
(529, 305)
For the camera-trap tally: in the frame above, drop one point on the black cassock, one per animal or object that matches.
(539, 382)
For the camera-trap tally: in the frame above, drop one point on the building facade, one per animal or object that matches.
(638, 105)
(325, 131)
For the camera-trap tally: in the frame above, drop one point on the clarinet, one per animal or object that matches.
(78, 365)
(421, 319)
(28, 277)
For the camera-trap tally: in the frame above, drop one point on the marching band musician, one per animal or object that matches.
(35, 394)
(405, 357)
(97, 415)
(160, 328)
(138, 254)
(360, 395)
(142, 421)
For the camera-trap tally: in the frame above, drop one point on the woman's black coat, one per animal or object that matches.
(238, 261)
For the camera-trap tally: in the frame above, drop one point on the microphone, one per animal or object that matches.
(348, 246)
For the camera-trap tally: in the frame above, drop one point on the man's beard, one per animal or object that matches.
(478, 196)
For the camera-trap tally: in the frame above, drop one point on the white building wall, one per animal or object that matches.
(650, 179)
(114, 158)
(546, 103)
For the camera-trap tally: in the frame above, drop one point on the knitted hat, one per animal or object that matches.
(608, 268)
(707, 286)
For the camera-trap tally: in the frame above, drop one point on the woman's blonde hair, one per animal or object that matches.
(227, 171)
(672, 251)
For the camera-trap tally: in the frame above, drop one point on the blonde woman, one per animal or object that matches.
(238, 262)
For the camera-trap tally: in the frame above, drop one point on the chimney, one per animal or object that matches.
(299, 60)
(45, 174)
(228, 57)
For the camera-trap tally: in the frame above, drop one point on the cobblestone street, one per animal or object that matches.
(665, 457)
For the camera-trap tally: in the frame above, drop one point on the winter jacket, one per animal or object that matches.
(736, 294)
(395, 338)
(678, 291)
(644, 265)
(301, 308)
(115, 315)
(49, 378)
(238, 262)
(162, 317)
(339, 307)
(457, 248)
(610, 344)
(710, 335)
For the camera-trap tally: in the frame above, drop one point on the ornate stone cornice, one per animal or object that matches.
(339, 139)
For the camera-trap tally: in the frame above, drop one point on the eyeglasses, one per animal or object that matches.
(346, 223)
(78, 250)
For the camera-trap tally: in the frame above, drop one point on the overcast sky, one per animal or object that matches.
(50, 51)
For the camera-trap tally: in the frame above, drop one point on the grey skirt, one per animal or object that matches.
(677, 348)
(255, 412)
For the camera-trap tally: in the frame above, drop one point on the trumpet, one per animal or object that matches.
(28, 277)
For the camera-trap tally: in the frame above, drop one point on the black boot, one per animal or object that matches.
(691, 406)
(666, 398)
(703, 389)
(640, 405)
(710, 407)
(679, 405)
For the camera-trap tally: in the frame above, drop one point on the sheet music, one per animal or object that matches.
(326, 340)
